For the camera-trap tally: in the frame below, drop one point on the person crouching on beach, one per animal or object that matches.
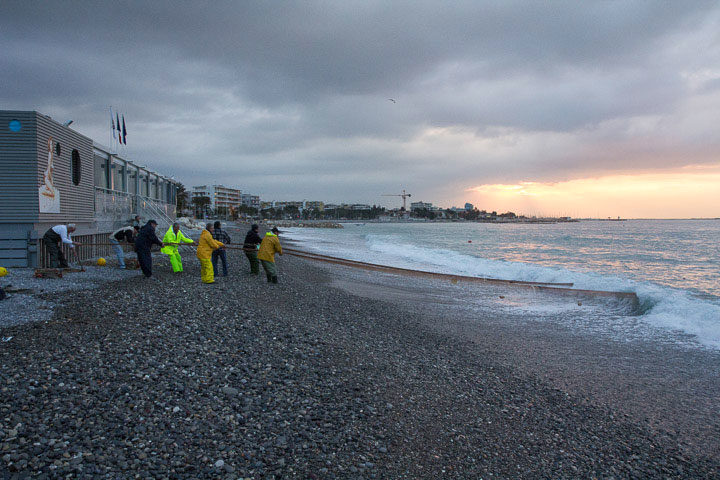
(268, 248)
(173, 237)
(122, 234)
(206, 245)
(53, 238)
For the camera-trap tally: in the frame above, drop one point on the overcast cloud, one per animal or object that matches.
(290, 100)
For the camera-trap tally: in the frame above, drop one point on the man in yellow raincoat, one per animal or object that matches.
(174, 236)
(206, 245)
(269, 246)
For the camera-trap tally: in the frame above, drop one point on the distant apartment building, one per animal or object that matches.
(420, 206)
(252, 201)
(220, 196)
(298, 205)
(469, 207)
(314, 205)
(360, 206)
(301, 205)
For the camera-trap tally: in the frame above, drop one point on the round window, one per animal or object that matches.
(76, 168)
(15, 125)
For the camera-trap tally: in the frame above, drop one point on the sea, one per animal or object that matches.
(672, 265)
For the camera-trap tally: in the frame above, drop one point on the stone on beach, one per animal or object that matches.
(299, 381)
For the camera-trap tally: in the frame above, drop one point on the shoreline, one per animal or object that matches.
(303, 379)
(668, 384)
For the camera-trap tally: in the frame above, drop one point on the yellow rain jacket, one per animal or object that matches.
(269, 246)
(206, 245)
(170, 237)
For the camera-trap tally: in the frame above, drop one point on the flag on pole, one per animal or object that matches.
(124, 131)
(112, 121)
(117, 122)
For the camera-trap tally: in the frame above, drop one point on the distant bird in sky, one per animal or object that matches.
(392, 100)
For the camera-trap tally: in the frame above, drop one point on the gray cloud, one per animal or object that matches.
(291, 99)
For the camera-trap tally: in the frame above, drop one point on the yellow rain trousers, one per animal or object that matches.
(206, 245)
(207, 275)
(172, 250)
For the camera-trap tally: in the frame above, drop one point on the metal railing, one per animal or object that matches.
(84, 252)
(113, 209)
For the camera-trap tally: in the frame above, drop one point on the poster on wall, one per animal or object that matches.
(49, 195)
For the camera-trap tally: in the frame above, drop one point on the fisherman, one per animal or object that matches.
(252, 243)
(266, 254)
(52, 239)
(221, 236)
(125, 233)
(206, 245)
(143, 243)
(172, 238)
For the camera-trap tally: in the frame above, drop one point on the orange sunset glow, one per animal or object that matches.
(686, 193)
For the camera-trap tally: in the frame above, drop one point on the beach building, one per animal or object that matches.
(51, 174)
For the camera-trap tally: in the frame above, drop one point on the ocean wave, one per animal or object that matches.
(660, 306)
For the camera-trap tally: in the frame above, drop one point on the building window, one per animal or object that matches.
(58, 150)
(144, 185)
(132, 180)
(118, 176)
(101, 172)
(76, 167)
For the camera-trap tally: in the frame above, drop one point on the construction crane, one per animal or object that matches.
(403, 195)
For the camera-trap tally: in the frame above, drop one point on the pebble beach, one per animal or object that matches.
(171, 378)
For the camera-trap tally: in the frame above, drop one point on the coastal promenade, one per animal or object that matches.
(322, 376)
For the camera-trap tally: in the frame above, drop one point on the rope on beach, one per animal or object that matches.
(561, 288)
(374, 266)
(550, 287)
(442, 275)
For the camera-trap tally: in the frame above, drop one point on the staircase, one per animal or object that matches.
(149, 210)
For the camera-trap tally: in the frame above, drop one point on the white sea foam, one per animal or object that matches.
(661, 306)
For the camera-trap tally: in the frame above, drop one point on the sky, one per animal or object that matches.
(597, 108)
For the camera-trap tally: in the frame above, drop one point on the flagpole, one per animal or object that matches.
(112, 129)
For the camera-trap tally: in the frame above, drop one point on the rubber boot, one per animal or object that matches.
(274, 280)
(269, 277)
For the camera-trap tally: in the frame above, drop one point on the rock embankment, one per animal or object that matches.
(170, 378)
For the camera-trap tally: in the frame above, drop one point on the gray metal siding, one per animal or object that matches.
(14, 248)
(76, 201)
(18, 168)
